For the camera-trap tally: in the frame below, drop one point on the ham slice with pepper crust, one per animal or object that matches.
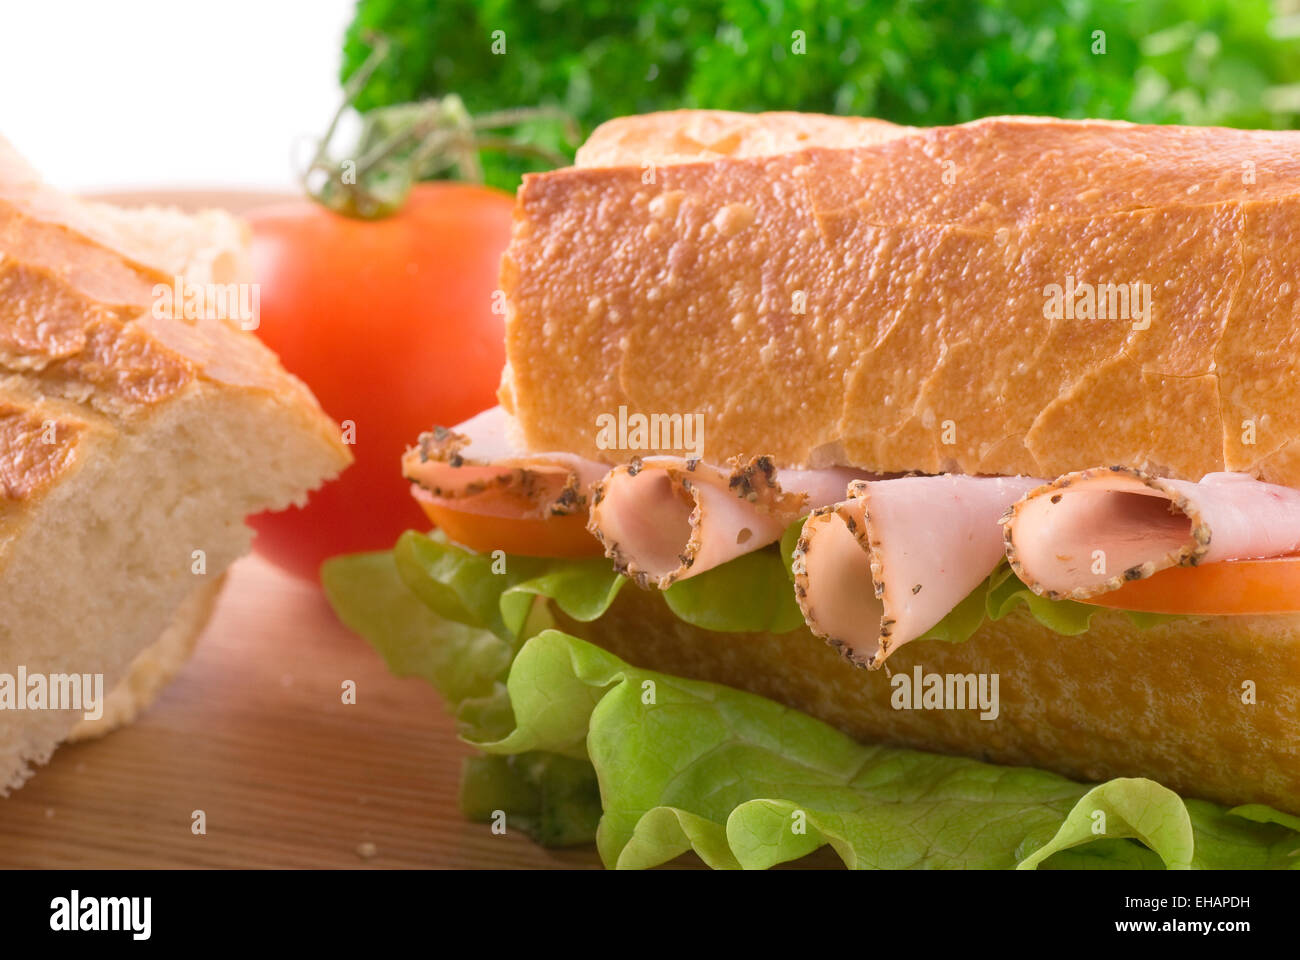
(884, 566)
(663, 519)
(1091, 531)
(476, 461)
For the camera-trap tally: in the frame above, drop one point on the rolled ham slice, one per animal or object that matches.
(884, 566)
(1090, 531)
(476, 462)
(663, 519)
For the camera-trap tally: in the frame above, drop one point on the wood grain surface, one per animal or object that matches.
(254, 733)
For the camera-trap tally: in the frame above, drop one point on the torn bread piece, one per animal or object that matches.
(884, 566)
(475, 464)
(663, 519)
(1091, 531)
(155, 666)
(133, 443)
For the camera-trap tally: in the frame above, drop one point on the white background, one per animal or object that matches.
(102, 94)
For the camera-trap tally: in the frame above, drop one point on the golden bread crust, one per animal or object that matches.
(50, 444)
(685, 136)
(885, 305)
(80, 321)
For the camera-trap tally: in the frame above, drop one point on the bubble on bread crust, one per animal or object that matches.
(733, 218)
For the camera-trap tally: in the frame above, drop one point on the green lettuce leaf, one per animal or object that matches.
(575, 737)
(961, 622)
(554, 799)
(583, 589)
(790, 540)
(369, 597)
(1006, 592)
(745, 782)
(1262, 814)
(750, 594)
(1003, 593)
(467, 664)
(496, 591)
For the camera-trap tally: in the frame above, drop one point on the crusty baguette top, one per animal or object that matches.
(81, 348)
(886, 305)
(687, 136)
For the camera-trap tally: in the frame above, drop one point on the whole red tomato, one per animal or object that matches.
(391, 324)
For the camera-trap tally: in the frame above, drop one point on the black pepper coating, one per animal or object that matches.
(742, 480)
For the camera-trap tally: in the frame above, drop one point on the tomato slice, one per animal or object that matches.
(1226, 588)
(496, 527)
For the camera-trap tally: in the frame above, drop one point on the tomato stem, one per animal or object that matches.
(407, 142)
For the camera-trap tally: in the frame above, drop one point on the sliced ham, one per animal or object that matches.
(663, 519)
(475, 463)
(1090, 531)
(885, 565)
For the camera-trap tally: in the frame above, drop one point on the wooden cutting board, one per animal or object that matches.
(254, 733)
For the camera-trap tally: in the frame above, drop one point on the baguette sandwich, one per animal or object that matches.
(135, 436)
(971, 442)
